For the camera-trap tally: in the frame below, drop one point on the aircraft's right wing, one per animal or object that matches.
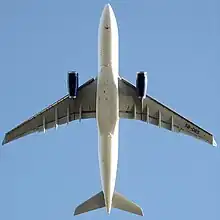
(152, 111)
(63, 111)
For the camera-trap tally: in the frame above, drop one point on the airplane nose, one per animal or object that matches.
(107, 9)
(107, 16)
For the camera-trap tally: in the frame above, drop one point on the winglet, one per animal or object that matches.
(4, 141)
(214, 143)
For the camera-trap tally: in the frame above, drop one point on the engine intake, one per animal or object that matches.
(141, 84)
(73, 83)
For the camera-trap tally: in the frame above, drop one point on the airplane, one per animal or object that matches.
(108, 98)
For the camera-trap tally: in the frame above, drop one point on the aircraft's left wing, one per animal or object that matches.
(63, 111)
(153, 112)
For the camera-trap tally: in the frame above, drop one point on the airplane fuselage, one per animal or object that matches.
(107, 103)
(135, 103)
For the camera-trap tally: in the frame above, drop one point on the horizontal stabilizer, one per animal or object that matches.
(120, 202)
(93, 203)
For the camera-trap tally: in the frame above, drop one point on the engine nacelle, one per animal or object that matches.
(141, 84)
(73, 83)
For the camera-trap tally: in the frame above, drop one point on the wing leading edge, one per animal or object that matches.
(63, 111)
(152, 111)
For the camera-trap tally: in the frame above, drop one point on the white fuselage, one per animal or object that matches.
(107, 102)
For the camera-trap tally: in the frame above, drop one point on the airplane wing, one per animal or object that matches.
(152, 111)
(63, 111)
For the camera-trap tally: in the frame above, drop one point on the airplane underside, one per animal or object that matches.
(107, 98)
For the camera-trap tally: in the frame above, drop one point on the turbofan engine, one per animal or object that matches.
(141, 84)
(73, 83)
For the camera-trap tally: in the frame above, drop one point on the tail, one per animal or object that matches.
(118, 201)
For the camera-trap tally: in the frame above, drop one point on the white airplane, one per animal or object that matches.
(108, 97)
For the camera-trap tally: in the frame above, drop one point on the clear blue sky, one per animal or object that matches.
(171, 176)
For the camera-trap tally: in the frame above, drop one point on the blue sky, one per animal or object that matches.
(172, 176)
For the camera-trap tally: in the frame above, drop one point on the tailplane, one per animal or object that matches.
(95, 202)
(118, 201)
